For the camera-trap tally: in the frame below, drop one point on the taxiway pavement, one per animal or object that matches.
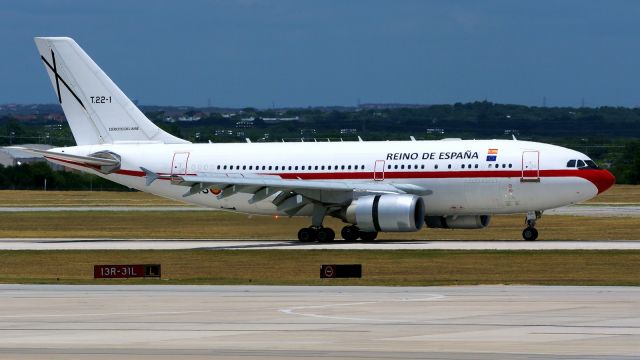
(277, 322)
(177, 244)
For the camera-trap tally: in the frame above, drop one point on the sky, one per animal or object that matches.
(300, 53)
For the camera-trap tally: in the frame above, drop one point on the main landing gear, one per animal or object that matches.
(319, 234)
(324, 234)
(352, 233)
(530, 233)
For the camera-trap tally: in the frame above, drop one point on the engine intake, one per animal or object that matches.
(396, 213)
(458, 222)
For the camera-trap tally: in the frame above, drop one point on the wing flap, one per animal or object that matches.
(284, 184)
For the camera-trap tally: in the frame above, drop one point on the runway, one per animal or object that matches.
(186, 244)
(245, 322)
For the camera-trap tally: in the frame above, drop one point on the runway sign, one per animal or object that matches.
(126, 271)
(341, 271)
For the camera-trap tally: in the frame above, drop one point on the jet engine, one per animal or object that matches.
(389, 212)
(458, 222)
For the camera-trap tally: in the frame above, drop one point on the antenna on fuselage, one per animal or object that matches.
(360, 139)
(514, 137)
(412, 138)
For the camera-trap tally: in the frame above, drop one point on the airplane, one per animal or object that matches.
(372, 186)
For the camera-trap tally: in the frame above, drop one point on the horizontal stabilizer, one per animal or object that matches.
(86, 160)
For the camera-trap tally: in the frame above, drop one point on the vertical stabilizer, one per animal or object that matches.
(98, 112)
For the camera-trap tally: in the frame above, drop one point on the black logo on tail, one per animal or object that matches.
(59, 79)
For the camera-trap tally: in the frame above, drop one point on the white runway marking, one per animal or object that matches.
(295, 310)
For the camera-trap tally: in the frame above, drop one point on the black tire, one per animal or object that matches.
(530, 234)
(368, 236)
(350, 233)
(307, 235)
(325, 235)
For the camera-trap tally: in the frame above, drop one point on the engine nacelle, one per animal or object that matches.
(398, 213)
(458, 222)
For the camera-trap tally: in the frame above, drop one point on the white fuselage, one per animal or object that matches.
(462, 176)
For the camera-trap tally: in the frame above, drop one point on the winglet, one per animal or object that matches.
(150, 176)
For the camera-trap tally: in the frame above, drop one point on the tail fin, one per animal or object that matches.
(98, 112)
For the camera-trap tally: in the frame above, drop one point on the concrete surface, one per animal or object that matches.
(244, 322)
(153, 244)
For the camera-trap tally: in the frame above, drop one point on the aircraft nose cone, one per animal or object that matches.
(603, 180)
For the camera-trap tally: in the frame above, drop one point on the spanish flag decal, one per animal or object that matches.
(492, 154)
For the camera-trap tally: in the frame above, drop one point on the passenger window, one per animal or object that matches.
(342, 167)
(250, 167)
(449, 166)
(322, 167)
(422, 167)
(225, 167)
(435, 166)
(269, 167)
(402, 166)
(476, 166)
(571, 164)
(463, 166)
(388, 167)
(349, 167)
(510, 165)
(504, 166)
(302, 167)
(244, 167)
(218, 167)
(316, 167)
(276, 168)
(395, 167)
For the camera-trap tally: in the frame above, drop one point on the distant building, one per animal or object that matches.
(348, 131)
(14, 157)
(189, 118)
(435, 131)
(245, 123)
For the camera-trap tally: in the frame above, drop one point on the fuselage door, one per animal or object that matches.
(378, 170)
(179, 163)
(530, 166)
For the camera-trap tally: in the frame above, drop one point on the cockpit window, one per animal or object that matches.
(571, 164)
(591, 164)
(581, 164)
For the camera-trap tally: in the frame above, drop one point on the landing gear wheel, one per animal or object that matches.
(350, 233)
(325, 235)
(530, 234)
(307, 235)
(368, 236)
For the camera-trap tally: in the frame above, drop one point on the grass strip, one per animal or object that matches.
(301, 267)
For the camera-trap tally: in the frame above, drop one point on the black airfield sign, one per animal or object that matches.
(341, 271)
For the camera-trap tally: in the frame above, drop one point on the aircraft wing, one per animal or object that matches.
(287, 184)
(290, 192)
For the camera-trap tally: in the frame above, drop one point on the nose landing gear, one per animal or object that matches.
(530, 233)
